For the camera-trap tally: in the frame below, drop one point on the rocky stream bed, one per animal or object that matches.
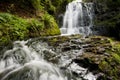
(90, 58)
(97, 54)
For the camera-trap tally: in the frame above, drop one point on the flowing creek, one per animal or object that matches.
(38, 59)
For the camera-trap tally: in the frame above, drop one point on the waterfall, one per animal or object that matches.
(78, 18)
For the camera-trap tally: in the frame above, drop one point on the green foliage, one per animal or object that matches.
(51, 6)
(50, 24)
(42, 6)
(48, 6)
(35, 27)
(109, 67)
(116, 58)
(45, 27)
(49, 20)
(12, 26)
(37, 24)
(60, 5)
(36, 4)
(16, 28)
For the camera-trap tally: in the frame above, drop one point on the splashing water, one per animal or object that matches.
(78, 18)
(23, 63)
(27, 61)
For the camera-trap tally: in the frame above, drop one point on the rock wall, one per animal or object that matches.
(107, 19)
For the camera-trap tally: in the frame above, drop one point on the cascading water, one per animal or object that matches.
(78, 18)
(28, 60)
(24, 63)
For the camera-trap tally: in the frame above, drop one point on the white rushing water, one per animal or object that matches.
(24, 63)
(27, 62)
(78, 18)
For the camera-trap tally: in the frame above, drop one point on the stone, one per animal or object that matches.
(1, 33)
(100, 50)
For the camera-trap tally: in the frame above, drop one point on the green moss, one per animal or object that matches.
(47, 26)
(36, 4)
(51, 27)
(16, 28)
(43, 24)
(109, 68)
(104, 66)
(116, 58)
(55, 41)
(4, 40)
(13, 26)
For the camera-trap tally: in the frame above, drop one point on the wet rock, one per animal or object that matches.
(78, 41)
(106, 54)
(102, 76)
(92, 49)
(72, 47)
(95, 39)
(51, 56)
(86, 63)
(94, 53)
(75, 47)
(66, 48)
(96, 56)
(100, 50)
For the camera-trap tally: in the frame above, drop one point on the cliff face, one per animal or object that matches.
(108, 16)
(107, 19)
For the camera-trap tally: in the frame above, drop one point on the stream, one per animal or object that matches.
(37, 59)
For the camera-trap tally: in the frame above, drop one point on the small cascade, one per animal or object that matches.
(29, 60)
(25, 62)
(78, 18)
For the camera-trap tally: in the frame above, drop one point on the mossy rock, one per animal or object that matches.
(107, 62)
